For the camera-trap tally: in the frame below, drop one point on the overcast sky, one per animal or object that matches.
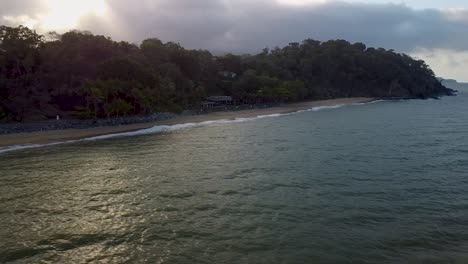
(436, 31)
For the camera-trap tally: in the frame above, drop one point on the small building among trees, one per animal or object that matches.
(220, 100)
(216, 101)
(207, 104)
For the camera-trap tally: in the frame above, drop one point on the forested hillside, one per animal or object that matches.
(81, 75)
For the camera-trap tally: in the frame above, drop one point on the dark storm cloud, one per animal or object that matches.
(249, 25)
(252, 25)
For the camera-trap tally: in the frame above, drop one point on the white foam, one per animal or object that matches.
(31, 146)
(370, 102)
(319, 108)
(170, 128)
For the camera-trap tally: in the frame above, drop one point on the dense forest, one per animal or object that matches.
(81, 75)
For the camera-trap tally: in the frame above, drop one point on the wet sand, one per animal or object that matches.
(47, 137)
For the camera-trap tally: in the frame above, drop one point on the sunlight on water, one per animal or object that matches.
(375, 183)
(169, 128)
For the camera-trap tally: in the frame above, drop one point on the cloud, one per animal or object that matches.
(20, 7)
(446, 63)
(251, 25)
(243, 25)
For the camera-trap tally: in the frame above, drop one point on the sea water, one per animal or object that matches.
(376, 183)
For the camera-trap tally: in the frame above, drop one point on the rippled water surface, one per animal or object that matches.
(377, 183)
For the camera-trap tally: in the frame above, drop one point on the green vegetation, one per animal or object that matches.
(87, 76)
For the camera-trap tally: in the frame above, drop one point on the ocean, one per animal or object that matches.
(383, 182)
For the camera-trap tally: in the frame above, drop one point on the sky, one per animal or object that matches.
(435, 31)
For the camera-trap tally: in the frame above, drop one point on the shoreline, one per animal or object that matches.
(65, 135)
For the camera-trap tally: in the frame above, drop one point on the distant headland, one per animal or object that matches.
(453, 84)
(78, 75)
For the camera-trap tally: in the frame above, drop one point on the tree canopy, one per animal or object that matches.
(83, 75)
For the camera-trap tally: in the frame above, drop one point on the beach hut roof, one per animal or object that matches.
(207, 103)
(219, 98)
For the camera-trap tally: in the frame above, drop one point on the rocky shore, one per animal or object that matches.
(54, 132)
(51, 125)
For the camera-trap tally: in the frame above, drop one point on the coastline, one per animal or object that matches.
(57, 136)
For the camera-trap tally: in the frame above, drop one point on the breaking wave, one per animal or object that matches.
(170, 128)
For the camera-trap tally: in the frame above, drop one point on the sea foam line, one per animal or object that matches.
(170, 128)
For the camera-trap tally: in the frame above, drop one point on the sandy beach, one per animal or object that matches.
(46, 137)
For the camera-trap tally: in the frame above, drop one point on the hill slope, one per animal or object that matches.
(82, 75)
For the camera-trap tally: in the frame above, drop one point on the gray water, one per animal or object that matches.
(377, 183)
